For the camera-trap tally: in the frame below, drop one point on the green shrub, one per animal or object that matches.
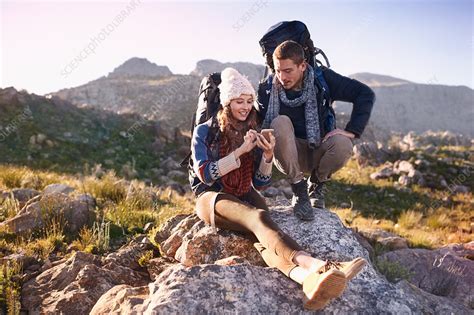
(393, 271)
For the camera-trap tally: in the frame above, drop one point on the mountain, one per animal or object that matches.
(48, 132)
(376, 80)
(252, 71)
(140, 67)
(140, 86)
(157, 94)
(404, 106)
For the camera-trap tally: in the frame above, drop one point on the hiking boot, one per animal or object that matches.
(316, 194)
(349, 268)
(300, 202)
(320, 288)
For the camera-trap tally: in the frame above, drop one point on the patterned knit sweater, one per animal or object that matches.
(208, 168)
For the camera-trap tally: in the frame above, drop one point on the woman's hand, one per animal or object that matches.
(266, 146)
(250, 141)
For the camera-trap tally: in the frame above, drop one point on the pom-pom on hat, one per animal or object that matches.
(233, 85)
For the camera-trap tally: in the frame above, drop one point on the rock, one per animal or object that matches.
(23, 195)
(271, 192)
(388, 240)
(128, 255)
(404, 180)
(422, 163)
(403, 167)
(32, 140)
(75, 284)
(443, 183)
(443, 272)
(76, 213)
(57, 189)
(344, 205)
(370, 153)
(232, 260)
(201, 245)
(171, 234)
(287, 192)
(460, 189)
(148, 227)
(40, 138)
(172, 225)
(415, 175)
(251, 289)
(452, 170)
(121, 299)
(192, 242)
(411, 140)
(385, 172)
(393, 242)
(328, 241)
(49, 143)
(24, 260)
(157, 265)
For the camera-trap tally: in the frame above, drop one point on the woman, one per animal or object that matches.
(230, 161)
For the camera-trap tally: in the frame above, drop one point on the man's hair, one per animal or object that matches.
(289, 49)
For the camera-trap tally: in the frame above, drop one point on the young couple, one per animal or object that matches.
(236, 161)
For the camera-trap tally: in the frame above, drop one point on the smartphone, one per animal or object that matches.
(266, 133)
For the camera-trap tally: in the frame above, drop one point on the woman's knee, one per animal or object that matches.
(203, 214)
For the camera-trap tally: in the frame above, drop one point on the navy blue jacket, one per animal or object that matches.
(341, 88)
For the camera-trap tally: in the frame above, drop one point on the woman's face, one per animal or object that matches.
(240, 107)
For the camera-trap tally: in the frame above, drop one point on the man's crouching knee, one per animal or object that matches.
(341, 149)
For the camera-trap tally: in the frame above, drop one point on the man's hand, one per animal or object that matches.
(338, 131)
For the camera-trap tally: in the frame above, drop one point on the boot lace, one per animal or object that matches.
(330, 264)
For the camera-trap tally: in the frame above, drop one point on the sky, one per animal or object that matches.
(49, 45)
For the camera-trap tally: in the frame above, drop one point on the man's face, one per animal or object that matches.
(289, 73)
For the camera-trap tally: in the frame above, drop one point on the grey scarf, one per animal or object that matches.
(308, 97)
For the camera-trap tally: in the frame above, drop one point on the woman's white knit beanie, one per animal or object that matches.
(233, 85)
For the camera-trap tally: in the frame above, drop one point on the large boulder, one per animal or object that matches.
(121, 299)
(448, 271)
(73, 285)
(75, 211)
(22, 195)
(57, 189)
(192, 242)
(385, 239)
(370, 153)
(246, 288)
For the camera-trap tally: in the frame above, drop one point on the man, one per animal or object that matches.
(304, 123)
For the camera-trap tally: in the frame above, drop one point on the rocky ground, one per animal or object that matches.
(118, 236)
(183, 266)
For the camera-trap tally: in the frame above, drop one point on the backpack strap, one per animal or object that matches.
(320, 77)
